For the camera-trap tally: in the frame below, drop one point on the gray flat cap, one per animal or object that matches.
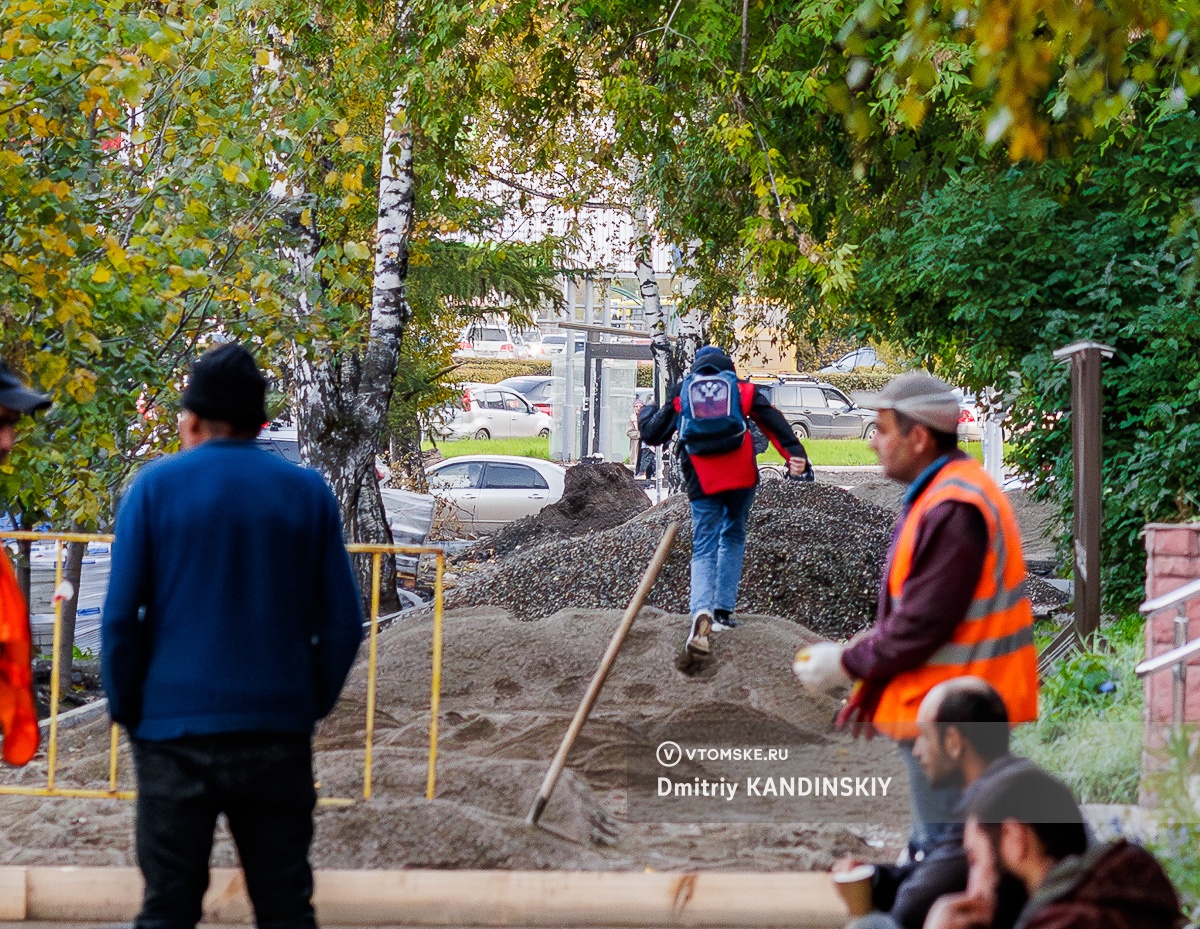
(920, 396)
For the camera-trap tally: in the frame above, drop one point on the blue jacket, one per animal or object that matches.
(231, 605)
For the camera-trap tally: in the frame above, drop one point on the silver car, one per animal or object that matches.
(489, 411)
(484, 492)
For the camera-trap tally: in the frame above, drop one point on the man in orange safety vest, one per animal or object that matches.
(952, 599)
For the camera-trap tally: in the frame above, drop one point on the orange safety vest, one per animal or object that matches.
(18, 717)
(994, 640)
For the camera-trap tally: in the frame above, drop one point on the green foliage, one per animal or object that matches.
(1049, 73)
(1089, 728)
(986, 276)
(867, 379)
(135, 177)
(1177, 844)
(492, 371)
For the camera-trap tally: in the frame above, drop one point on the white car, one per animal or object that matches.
(485, 492)
(489, 411)
(490, 339)
(555, 343)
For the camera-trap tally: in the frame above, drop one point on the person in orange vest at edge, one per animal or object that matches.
(952, 600)
(18, 716)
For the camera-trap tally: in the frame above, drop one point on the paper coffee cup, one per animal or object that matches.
(855, 887)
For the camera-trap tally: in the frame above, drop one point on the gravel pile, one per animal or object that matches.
(814, 555)
(595, 496)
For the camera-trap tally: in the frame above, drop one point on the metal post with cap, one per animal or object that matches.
(1086, 404)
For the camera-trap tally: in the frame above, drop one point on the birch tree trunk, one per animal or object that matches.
(652, 311)
(343, 396)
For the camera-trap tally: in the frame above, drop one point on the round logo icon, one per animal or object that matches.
(669, 754)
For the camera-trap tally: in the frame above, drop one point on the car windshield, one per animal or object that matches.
(487, 335)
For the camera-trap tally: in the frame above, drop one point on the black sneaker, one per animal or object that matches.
(697, 640)
(723, 620)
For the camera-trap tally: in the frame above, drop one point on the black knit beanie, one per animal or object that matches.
(227, 387)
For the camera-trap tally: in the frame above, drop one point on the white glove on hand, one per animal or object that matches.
(819, 667)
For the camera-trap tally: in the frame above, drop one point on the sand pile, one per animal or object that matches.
(509, 690)
(814, 555)
(595, 496)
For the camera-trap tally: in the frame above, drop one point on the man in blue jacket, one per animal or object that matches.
(231, 622)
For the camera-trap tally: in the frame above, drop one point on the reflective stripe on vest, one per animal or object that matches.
(994, 639)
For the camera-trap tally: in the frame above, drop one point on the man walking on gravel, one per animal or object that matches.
(231, 622)
(18, 717)
(952, 601)
(712, 411)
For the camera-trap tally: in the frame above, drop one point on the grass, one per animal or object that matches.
(528, 448)
(1089, 727)
(827, 452)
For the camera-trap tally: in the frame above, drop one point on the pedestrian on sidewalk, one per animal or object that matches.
(231, 622)
(712, 411)
(18, 715)
(952, 600)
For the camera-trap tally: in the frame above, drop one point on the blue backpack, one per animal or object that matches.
(710, 413)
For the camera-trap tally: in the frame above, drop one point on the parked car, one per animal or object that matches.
(820, 410)
(864, 357)
(536, 388)
(970, 417)
(490, 339)
(485, 492)
(489, 411)
(284, 441)
(533, 342)
(555, 343)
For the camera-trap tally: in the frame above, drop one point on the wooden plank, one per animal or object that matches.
(477, 898)
(12, 894)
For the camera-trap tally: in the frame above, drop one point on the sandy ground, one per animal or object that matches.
(509, 690)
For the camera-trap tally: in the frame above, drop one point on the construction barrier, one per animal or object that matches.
(113, 792)
(582, 899)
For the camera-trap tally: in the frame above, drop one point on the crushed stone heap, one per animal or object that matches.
(814, 555)
(595, 496)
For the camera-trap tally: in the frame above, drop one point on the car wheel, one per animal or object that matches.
(869, 432)
(801, 430)
(481, 434)
(544, 434)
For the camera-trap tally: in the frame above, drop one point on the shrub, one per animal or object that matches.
(494, 370)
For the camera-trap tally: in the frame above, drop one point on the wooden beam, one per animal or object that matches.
(602, 899)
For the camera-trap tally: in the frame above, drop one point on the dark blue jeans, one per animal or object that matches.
(718, 549)
(263, 783)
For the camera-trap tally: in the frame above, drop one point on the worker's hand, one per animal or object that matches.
(961, 911)
(797, 466)
(819, 667)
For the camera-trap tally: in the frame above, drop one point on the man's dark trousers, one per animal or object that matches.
(263, 783)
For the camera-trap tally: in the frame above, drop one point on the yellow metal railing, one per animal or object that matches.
(375, 551)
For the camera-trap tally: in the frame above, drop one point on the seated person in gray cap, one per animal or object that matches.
(952, 601)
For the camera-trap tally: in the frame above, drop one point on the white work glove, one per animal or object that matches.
(819, 667)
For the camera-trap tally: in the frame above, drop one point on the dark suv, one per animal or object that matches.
(820, 410)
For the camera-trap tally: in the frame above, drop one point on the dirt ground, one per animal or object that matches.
(513, 675)
(509, 691)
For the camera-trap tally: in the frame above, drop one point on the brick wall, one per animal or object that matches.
(1172, 560)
